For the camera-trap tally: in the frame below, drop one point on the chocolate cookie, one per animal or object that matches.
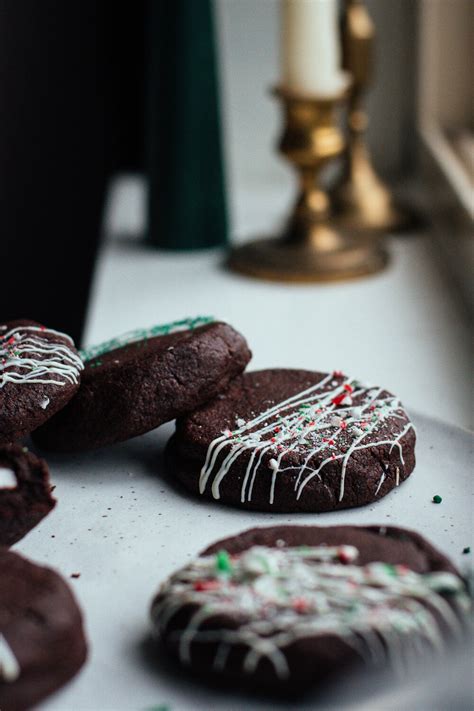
(39, 373)
(25, 493)
(42, 642)
(294, 606)
(132, 384)
(294, 440)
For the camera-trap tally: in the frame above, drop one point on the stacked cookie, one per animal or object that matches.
(72, 401)
(282, 606)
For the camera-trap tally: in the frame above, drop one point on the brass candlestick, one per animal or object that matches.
(361, 200)
(311, 248)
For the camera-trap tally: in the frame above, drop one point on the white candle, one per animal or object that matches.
(310, 52)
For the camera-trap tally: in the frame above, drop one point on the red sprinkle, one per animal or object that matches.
(200, 585)
(348, 388)
(338, 399)
(344, 557)
(402, 569)
(300, 604)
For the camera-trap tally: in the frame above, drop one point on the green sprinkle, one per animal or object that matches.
(390, 569)
(142, 334)
(437, 499)
(223, 563)
(303, 550)
(264, 563)
(399, 627)
(466, 550)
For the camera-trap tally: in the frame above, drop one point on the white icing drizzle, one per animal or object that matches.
(327, 422)
(26, 357)
(9, 667)
(7, 478)
(142, 334)
(381, 481)
(281, 595)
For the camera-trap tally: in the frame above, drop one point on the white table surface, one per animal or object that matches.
(402, 328)
(124, 528)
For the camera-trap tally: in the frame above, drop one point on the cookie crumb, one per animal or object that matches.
(466, 550)
(75, 575)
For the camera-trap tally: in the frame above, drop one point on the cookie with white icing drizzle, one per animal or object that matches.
(42, 642)
(134, 383)
(292, 606)
(25, 492)
(295, 440)
(40, 371)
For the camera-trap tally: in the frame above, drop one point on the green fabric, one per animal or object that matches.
(186, 200)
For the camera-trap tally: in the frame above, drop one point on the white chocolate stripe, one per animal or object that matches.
(27, 357)
(282, 595)
(9, 667)
(321, 410)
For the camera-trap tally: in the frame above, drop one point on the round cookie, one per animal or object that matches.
(42, 643)
(294, 606)
(25, 493)
(132, 384)
(294, 440)
(39, 372)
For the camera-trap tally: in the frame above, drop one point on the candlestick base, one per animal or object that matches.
(311, 248)
(277, 259)
(362, 201)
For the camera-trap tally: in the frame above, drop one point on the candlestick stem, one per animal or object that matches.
(310, 248)
(361, 199)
